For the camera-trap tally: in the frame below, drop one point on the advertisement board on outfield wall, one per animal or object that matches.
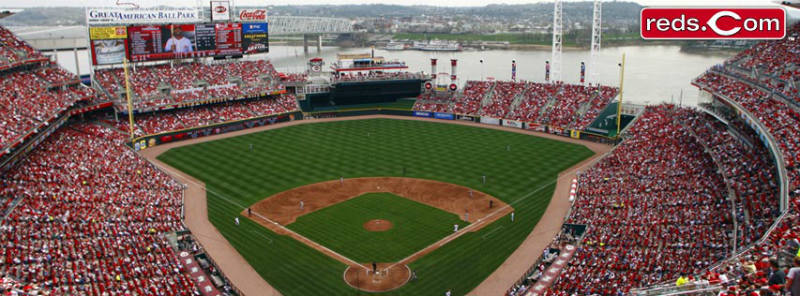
(150, 141)
(467, 118)
(423, 114)
(513, 123)
(490, 120)
(439, 115)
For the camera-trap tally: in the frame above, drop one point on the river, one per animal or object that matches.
(653, 74)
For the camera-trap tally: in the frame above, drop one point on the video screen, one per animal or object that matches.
(142, 43)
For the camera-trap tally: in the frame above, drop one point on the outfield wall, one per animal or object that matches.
(148, 141)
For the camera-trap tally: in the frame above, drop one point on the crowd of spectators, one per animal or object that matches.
(748, 168)
(654, 210)
(33, 91)
(16, 52)
(770, 267)
(502, 98)
(774, 63)
(199, 116)
(556, 104)
(90, 219)
(28, 100)
(664, 204)
(165, 85)
(781, 120)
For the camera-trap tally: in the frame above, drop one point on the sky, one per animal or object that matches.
(36, 3)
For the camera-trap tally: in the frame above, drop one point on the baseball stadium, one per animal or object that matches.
(196, 151)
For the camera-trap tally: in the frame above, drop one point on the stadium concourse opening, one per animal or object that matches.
(468, 208)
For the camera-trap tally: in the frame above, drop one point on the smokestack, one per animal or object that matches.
(433, 69)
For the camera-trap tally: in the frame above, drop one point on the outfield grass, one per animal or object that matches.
(340, 227)
(285, 158)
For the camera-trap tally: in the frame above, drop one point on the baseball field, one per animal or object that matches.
(240, 172)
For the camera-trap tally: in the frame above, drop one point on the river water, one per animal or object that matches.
(653, 74)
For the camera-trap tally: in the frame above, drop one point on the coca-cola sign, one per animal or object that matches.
(253, 15)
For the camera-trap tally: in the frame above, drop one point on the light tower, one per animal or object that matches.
(597, 32)
(555, 61)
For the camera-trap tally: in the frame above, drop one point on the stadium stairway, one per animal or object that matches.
(487, 96)
(517, 100)
(732, 197)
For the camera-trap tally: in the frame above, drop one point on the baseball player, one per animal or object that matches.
(470, 193)
(466, 215)
(455, 227)
(301, 204)
(512, 216)
(236, 220)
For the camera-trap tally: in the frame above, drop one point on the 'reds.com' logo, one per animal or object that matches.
(713, 23)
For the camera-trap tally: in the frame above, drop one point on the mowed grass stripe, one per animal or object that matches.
(297, 155)
(340, 227)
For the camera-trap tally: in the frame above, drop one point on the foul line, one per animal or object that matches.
(296, 235)
(478, 222)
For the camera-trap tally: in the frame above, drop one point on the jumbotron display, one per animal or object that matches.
(141, 43)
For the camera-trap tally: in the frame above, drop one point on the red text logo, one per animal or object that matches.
(713, 23)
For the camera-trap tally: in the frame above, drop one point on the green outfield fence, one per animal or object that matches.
(145, 142)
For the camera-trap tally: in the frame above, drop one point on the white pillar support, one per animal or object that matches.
(555, 61)
(597, 32)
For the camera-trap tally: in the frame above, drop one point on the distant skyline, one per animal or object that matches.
(50, 3)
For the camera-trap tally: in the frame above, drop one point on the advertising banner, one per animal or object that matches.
(685, 23)
(258, 15)
(220, 11)
(535, 127)
(105, 33)
(446, 116)
(512, 123)
(255, 37)
(105, 52)
(423, 114)
(489, 120)
(119, 15)
(466, 118)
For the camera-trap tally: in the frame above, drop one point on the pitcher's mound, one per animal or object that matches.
(378, 225)
(389, 277)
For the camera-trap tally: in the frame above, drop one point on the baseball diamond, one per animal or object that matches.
(309, 259)
(186, 152)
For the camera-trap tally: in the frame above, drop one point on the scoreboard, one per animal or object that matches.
(141, 43)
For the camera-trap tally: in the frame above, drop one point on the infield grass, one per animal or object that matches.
(340, 227)
(285, 158)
